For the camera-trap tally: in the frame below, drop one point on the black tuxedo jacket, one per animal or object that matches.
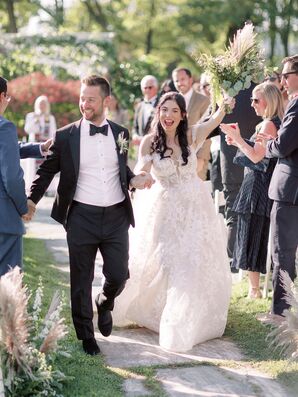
(65, 158)
(284, 182)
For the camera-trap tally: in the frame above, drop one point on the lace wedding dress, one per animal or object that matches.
(180, 280)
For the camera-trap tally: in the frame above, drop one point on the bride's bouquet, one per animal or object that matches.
(241, 63)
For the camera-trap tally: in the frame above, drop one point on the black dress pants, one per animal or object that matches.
(231, 191)
(284, 228)
(90, 228)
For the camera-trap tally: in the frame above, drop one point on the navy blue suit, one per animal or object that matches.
(13, 200)
(30, 149)
(283, 190)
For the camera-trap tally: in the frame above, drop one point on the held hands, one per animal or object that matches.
(45, 146)
(31, 211)
(136, 140)
(142, 180)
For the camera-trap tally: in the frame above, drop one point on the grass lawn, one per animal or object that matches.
(91, 377)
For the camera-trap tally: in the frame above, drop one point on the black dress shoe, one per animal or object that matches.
(90, 346)
(105, 321)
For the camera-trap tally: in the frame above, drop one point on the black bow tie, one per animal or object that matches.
(98, 130)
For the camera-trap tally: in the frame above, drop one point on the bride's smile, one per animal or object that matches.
(170, 116)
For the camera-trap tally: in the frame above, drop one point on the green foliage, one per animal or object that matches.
(125, 77)
(88, 54)
(89, 375)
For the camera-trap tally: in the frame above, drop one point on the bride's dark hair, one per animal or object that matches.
(159, 142)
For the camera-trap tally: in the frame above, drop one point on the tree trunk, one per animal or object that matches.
(12, 28)
(149, 36)
(272, 35)
(287, 14)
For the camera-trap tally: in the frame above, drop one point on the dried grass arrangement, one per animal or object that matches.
(28, 342)
(285, 335)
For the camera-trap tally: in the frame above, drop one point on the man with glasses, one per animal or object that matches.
(145, 109)
(284, 190)
(275, 79)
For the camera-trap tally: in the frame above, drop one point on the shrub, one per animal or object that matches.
(63, 96)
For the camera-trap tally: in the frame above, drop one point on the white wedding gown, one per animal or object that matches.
(180, 281)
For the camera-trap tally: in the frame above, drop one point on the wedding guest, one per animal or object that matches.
(196, 105)
(13, 200)
(215, 171)
(93, 204)
(205, 85)
(275, 78)
(144, 111)
(232, 174)
(40, 125)
(180, 280)
(252, 203)
(116, 113)
(283, 190)
(167, 86)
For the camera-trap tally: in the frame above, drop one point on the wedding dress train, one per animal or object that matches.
(180, 280)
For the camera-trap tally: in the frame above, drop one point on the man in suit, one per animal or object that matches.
(93, 204)
(196, 106)
(283, 189)
(232, 174)
(13, 201)
(145, 109)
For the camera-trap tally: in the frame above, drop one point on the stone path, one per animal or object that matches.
(207, 369)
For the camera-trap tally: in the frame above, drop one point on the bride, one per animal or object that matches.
(180, 280)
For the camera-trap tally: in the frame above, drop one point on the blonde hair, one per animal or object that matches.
(37, 102)
(273, 98)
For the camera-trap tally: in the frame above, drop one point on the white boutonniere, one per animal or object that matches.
(122, 143)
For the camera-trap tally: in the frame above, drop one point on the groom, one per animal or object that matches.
(93, 204)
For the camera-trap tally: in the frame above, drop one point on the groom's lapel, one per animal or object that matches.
(116, 131)
(74, 140)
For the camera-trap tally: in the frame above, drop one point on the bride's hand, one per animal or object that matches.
(228, 104)
(142, 180)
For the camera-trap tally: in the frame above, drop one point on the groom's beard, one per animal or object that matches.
(92, 115)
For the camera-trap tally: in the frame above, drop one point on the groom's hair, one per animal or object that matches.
(98, 81)
(293, 61)
(3, 85)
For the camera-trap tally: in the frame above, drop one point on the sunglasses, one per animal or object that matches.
(286, 75)
(254, 100)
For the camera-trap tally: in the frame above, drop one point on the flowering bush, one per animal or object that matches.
(234, 71)
(63, 96)
(29, 343)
